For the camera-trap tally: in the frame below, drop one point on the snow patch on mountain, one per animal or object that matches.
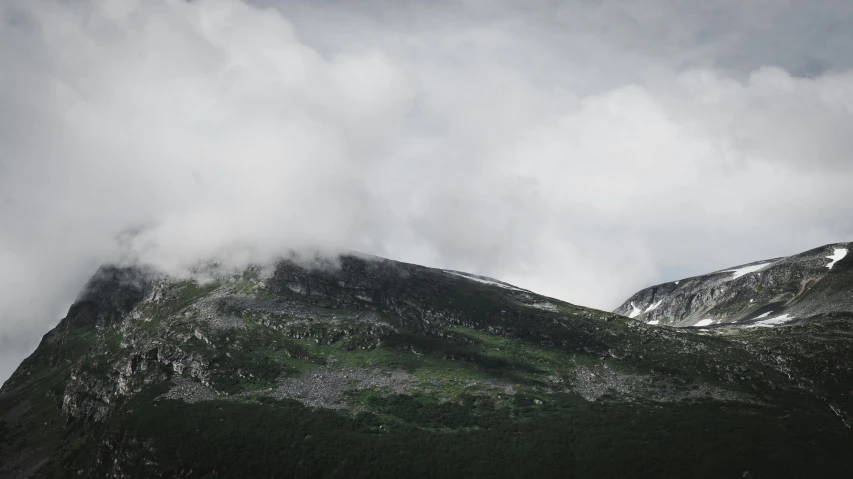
(764, 315)
(773, 321)
(484, 280)
(837, 256)
(738, 272)
(653, 307)
(636, 312)
(654, 322)
(704, 322)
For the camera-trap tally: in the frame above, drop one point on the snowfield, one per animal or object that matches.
(837, 256)
(738, 272)
(636, 312)
(486, 281)
(773, 321)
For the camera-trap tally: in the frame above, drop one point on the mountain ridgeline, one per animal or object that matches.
(765, 293)
(364, 367)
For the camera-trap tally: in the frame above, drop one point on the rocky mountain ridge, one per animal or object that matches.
(766, 293)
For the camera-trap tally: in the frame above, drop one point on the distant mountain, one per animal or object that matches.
(772, 292)
(365, 367)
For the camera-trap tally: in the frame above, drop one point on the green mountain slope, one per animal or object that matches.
(368, 367)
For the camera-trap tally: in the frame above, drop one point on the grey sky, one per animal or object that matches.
(580, 149)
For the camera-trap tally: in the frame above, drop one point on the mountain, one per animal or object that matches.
(765, 293)
(364, 367)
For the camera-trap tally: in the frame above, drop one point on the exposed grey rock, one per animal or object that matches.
(592, 385)
(753, 294)
(208, 310)
(325, 388)
(189, 391)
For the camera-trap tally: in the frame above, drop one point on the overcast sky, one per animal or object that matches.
(583, 149)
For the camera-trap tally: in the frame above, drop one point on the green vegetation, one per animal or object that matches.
(187, 292)
(416, 436)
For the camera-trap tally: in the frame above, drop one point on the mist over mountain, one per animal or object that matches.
(583, 150)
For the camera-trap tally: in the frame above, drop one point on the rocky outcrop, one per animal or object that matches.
(91, 392)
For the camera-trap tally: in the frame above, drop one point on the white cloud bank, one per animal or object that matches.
(581, 154)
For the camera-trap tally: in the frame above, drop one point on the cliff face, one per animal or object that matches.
(765, 293)
(364, 366)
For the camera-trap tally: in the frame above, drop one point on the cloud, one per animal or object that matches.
(583, 151)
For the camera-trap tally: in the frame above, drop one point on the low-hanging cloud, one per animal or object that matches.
(581, 151)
